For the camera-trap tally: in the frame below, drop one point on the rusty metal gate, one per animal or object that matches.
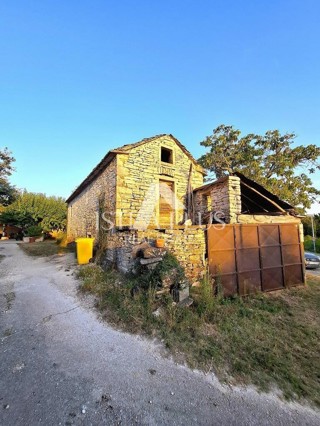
(254, 257)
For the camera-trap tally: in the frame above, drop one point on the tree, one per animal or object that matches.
(36, 209)
(307, 226)
(8, 193)
(6, 160)
(270, 160)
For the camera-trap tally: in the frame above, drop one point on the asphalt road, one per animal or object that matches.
(314, 272)
(60, 365)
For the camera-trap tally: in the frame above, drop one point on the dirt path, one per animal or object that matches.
(60, 366)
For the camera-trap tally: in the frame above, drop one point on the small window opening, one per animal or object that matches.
(166, 155)
(206, 202)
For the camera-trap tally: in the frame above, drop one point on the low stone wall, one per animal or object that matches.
(187, 244)
(265, 218)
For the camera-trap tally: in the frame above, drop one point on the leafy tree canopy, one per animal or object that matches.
(31, 209)
(8, 193)
(6, 163)
(268, 159)
(307, 226)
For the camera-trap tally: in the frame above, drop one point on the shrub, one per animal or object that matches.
(308, 243)
(153, 279)
(61, 239)
(34, 231)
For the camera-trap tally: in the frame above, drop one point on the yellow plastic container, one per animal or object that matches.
(84, 250)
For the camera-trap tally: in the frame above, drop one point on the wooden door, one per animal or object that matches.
(166, 203)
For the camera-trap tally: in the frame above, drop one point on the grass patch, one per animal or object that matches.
(265, 340)
(1, 257)
(43, 249)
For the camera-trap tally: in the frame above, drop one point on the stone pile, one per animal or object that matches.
(149, 257)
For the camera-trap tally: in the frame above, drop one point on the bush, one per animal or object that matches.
(308, 243)
(61, 239)
(34, 231)
(153, 279)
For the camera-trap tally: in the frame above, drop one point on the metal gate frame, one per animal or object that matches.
(249, 258)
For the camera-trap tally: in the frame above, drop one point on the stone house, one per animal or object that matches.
(141, 185)
(155, 189)
(140, 191)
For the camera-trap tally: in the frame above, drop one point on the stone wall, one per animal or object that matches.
(225, 197)
(188, 245)
(202, 206)
(128, 189)
(138, 174)
(265, 218)
(84, 210)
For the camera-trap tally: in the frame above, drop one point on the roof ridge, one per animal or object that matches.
(144, 140)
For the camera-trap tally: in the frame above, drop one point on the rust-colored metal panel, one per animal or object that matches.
(249, 282)
(269, 235)
(228, 284)
(246, 236)
(220, 237)
(290, 234)
(272, 279)
(271, 256)
(248, 259)
(254, 257)
(222, 262)
(293, 275)
(291, 254)
(221, 250)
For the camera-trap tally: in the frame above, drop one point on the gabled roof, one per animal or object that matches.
(125, 149)
(128, 147)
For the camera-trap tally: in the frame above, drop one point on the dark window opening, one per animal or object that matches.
(166, 155)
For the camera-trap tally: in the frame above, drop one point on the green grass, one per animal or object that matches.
(265, 340)
(43, 249)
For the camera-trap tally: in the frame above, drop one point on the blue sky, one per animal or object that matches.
(78, 78)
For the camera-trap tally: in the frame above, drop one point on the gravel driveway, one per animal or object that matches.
(59, 365)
